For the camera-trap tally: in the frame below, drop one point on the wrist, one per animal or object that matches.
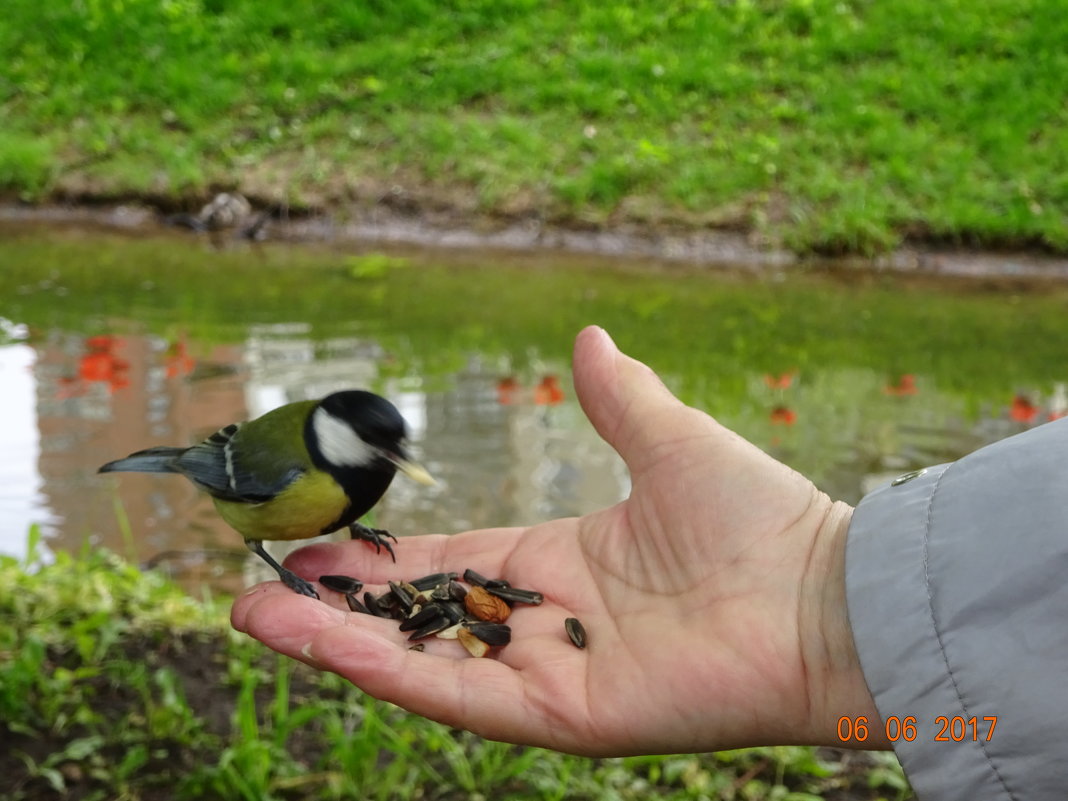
(836, 686)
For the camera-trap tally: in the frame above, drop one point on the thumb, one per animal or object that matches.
(626, 401)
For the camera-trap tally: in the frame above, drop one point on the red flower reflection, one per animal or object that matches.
(178, 362)
(905, 385)
(507, 389)
(1022, 410)
(780, 381)
(782, 416)
(548, 392)
(101, 364)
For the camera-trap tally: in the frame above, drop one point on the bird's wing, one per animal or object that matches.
(235, 467)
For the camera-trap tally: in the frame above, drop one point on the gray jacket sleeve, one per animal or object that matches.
(957, 587)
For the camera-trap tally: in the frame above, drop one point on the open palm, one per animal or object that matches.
(713, 599)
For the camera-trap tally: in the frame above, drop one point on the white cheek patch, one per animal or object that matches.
(340, 445)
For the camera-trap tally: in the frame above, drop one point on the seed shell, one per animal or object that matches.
(424, 616)
(516, 595)
(355, 605)
(575, 631)
(433, 580)
(475, 579)
(454, 611)
(491, 633)
(345, 584)
(372, 605)
(433, 627)
(405, 598)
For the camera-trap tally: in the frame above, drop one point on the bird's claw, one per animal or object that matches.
(297, 584)
(378, 537)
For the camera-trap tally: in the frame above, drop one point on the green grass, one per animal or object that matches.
(114, 684)
(824, 125)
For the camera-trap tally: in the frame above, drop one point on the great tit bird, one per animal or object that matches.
(303, 469)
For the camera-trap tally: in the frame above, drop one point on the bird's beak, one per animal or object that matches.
(416, 472)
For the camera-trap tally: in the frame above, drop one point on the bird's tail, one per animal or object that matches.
(151, 460)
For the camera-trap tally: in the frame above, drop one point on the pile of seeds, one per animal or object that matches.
(440, 605)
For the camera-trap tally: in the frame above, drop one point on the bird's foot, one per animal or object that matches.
(297, 584)
(285, 575)
(378, 537)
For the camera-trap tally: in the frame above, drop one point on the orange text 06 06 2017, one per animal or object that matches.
(944, 728)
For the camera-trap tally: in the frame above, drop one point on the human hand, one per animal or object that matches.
(714, 599)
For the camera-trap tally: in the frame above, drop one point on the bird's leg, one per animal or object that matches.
(375, 536)
(287, 577)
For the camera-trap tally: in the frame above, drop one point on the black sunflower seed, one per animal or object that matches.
(475, 579)
(405, 599)
(516, 595)
(490, 633)
(432, 581)
(428, 613)
(454, 611)
(344, 584)
(355, 605)
(372, 605)
(576, 632)
(433, 627)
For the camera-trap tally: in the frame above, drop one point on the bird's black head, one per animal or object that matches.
(358, 430)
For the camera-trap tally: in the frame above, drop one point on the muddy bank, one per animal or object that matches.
(384, 224)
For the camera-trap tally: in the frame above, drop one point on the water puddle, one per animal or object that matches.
(111, 344)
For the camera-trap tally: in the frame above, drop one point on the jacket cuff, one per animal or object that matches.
(957, 590)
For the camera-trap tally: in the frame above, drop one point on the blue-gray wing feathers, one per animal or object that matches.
(215, 466)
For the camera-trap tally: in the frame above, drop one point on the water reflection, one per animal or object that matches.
(504, 437)
(499, 460)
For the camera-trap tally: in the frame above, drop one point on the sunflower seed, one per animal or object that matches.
(475, 579)
(405, 598)
(576, 632)
(433, 626)
(433, 580)
(452, 610)
(450, 591)
(516, 595)
(355, 605)
(422, 617)
(345, 584)
(373, 606)
(490, 633)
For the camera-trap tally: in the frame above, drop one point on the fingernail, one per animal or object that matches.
(306, 652)
(604, 334)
